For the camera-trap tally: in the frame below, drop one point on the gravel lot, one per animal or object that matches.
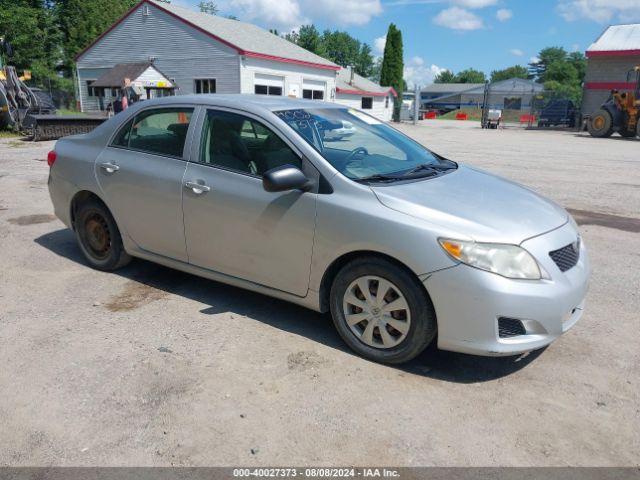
(154, 367)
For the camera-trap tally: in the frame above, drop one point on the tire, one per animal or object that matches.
(627, 134)
(638, 128)
(600, 125)
(99, 237)
(372, 337)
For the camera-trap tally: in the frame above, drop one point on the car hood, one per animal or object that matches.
(477, 204)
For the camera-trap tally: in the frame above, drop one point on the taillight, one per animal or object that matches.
(51, 158)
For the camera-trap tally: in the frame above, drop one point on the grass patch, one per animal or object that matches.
(64, 112)
(8, 134)
(474, 114)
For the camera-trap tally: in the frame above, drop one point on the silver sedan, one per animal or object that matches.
(401, 245)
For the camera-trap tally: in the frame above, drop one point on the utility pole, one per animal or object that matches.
(416, 104)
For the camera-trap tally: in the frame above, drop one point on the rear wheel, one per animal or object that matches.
(601, 124)
(99, 237)
(627, 133)
(381, 311)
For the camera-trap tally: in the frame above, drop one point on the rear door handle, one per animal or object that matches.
(109, 167)
(197, 188)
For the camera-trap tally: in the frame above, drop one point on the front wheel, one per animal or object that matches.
(382, 311)
(99, 237)
(601, 124)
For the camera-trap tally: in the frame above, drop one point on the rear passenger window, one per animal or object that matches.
(161, 131)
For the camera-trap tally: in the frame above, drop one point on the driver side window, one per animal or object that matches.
(235, 142)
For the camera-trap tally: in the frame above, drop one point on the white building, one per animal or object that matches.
(195, 52)
(358, 92)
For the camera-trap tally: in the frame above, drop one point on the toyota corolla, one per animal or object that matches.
(402, 246)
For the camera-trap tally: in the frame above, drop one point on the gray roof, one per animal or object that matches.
(117, 76)
(442, 88)
(618, 38)
(359, 83)
(245, 37)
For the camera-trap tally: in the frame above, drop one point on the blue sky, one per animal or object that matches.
(451, 34)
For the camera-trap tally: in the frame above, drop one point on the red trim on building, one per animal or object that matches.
(612, 53)
(609, 86)
(288, 60)
(209, 34)
(366, 94)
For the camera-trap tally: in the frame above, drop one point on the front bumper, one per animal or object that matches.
(468, 301)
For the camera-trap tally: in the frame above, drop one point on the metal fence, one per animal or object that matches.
(528, 107)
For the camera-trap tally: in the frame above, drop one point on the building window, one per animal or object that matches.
(90, 89)
(313, 94)
(367, 103)
(267, 90)
(204, 85)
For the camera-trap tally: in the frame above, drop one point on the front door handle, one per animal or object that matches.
(197, 188)
(109, 167)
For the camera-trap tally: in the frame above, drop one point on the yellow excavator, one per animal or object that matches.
(31, 111)
(620, 113)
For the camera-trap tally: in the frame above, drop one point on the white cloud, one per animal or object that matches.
(474, 3)
(517, 52)
(534, 60)
(504, 14)
(417, 72)
(601, 11)
(341, 12)
(379, 44)
(287, 14)
(575, 47)
(458, 18)
(281, 13)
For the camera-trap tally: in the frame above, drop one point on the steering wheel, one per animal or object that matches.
(354, 152)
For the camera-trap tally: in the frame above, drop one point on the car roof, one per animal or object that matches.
(243, 102)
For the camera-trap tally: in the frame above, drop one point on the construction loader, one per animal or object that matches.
(31, 111)
(620, 113)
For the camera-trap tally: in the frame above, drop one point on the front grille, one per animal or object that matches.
(510, 327)
(567, 256)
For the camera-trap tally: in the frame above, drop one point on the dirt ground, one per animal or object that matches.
(154, 367)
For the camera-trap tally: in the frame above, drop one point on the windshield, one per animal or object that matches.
(361, 147)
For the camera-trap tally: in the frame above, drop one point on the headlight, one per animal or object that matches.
(509, 261)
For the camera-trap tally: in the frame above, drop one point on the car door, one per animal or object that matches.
(232, 225)
(140, 174)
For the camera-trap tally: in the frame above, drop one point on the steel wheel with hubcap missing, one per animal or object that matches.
(376, 312)
(99, 237)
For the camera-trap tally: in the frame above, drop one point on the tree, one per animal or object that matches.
(470, 75)
(391, 72)
(562, 72)
(375, 70)
(309, 38)
(208, 7)
(546, 57)
(446, 76)
(29, 25)
(364, 61)
(517, 71)
(579, 62)
(82, 21)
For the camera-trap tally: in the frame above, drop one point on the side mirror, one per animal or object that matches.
(284, 178)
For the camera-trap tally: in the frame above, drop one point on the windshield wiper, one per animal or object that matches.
(379, 178)
(431, 169)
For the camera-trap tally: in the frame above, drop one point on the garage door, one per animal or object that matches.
(268, 84)
(313, 89)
